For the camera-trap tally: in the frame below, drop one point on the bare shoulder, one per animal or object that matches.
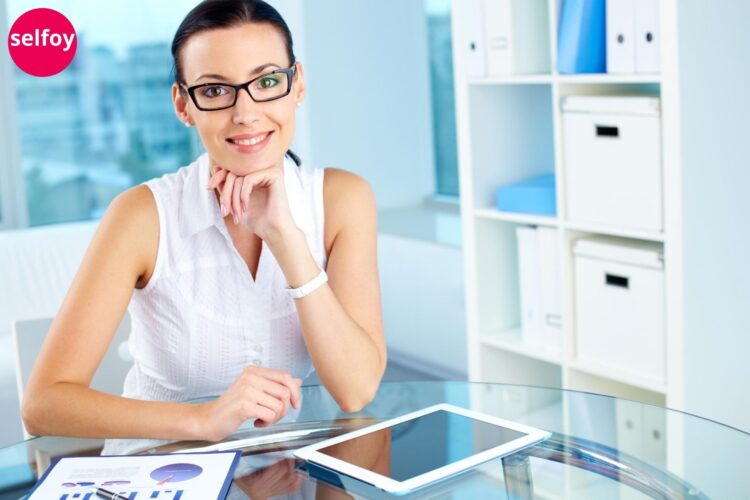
(347, 190)
(349, 200)
(130, 227)
(132, 210)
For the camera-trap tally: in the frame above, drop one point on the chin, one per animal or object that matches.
(239, 165)
(235, 163)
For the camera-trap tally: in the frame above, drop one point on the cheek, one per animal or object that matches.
(210, 126)
(285, 116)
(280, 110)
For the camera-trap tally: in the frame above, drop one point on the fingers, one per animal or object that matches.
(247, 188)
(279, 391)
(264, 416)
(276, 405)
(280, 377)
(217, 177)
(276, 472)
(286, 379)
(235, 190)
(236, 207)
(298, 384)
(225, 197)
(271, 389)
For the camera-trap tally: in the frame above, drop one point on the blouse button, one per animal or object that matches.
(258, 348)
(256, 362)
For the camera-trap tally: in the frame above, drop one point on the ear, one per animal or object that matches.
(299, 84)
(180, 100)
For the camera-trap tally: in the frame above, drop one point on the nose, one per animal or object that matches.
(245, 110)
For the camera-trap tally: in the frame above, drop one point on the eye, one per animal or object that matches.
(214, 91)
(268, 81)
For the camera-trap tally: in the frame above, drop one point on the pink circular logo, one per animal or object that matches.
(42, 42)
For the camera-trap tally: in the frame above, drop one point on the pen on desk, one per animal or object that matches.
(109, 495)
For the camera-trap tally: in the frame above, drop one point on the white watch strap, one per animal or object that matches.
(309, 287)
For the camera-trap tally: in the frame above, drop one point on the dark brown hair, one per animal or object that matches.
(215, 14)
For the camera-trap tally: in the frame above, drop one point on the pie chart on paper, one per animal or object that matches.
(174, 473)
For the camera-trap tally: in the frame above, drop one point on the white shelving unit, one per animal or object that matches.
(510, 128)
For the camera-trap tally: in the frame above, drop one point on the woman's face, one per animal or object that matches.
(236, 55)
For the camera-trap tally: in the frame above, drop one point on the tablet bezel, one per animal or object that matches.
(311, 453)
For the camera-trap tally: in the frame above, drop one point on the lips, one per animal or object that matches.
(249, 143)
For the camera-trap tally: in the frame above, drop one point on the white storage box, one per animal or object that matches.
(612, 150)
(619, 291)
(516, 36)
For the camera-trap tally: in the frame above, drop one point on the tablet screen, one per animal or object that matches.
(424, 443)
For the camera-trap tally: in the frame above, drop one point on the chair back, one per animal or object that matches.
(28, 337)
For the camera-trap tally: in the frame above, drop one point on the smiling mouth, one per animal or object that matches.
(249, 142)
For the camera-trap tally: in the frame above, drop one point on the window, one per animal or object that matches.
(443, 108)
(105, 123)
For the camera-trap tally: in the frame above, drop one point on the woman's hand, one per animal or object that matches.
(257, 200)
(260, 393)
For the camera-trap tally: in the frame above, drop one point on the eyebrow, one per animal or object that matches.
(224, 78)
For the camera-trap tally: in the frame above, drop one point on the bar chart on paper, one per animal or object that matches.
(166, 477)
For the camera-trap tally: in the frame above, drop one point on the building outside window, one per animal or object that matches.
(443, 105)
(106, 122)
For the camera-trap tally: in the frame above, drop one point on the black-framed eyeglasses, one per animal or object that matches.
(267, 87)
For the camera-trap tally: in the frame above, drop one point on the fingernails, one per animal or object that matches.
(224, 210)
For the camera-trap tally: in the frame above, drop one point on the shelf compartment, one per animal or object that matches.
(531, 219)
(501, 366)
(496, 255)
(605, 78)
(512, 341)
(503, 149)
(582, 79)
(619, 379)
(543, 79)
(613, 231)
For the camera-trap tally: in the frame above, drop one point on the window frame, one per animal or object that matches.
(12, 190)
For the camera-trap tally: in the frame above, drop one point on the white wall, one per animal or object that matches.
(423, 303)
(293, 13)
(367, 71)
(714, 43)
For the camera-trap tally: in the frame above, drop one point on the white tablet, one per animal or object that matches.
(411, 451)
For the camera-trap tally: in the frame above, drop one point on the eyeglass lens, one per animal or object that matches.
(265, 88)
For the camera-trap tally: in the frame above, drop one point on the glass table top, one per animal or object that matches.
(601, 447)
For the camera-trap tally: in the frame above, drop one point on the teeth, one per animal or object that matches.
(250, 142)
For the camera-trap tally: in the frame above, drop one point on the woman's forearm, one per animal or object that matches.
(345, 356)
(69, 409)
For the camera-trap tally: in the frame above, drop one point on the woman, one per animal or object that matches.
(203, 257)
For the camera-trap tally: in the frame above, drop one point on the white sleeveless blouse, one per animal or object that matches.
(201, 319)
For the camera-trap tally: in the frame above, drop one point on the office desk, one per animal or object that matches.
(601, 447)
